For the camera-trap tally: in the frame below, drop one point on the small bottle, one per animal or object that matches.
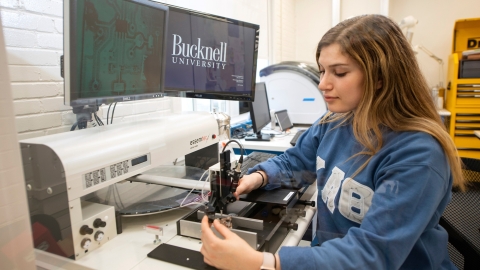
(435, 95)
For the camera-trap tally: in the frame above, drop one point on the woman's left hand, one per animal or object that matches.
(232, 252)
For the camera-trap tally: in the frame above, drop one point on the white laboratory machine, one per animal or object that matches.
(60, 169)
(293, 86)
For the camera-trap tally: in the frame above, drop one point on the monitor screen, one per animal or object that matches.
(244, 107)
(259, 113)
(283, 120)
(113, 51)
(210, 56)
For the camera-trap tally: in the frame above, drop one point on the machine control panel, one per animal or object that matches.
(95, 229)
(114, 170)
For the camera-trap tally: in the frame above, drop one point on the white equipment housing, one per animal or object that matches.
(60, 169)
(294, 86)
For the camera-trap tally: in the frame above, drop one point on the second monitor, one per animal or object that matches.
(283, 120)
(260, 114)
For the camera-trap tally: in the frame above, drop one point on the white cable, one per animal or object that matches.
(203, 186)
(202, 192)
(181, 204)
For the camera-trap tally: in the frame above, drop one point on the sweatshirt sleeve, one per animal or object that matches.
(296, 167)
(411, 192)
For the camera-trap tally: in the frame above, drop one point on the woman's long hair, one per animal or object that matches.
(403, 102)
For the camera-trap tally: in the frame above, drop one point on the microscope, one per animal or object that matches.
(262, 218)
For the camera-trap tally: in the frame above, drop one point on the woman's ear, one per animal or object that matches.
(379, 84)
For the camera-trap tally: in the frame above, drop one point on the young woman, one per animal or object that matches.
(383, 162)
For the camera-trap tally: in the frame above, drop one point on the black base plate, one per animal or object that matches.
(180, 256)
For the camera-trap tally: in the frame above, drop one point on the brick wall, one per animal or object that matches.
(16, 247)
(33, 31)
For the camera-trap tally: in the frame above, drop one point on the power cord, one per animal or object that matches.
(97, 118)
(113, 111)
(240, 160)
(108, 112)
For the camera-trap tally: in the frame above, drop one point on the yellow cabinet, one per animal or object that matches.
(463, 94)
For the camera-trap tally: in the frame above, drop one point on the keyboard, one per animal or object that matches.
(253, 159)
(293, 141)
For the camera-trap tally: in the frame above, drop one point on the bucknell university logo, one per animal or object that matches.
(198, 55)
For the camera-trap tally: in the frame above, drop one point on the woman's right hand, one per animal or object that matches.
(250, 182)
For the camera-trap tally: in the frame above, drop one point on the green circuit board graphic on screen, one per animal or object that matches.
(119, 49)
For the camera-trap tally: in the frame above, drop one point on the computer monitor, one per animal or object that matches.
(210, 57)
(244, 107)
(283, 120)
(260, 114)
(113, 51)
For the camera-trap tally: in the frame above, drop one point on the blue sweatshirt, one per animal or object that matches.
(385, 217)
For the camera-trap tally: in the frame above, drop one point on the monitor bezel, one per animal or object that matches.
(69, 64)
(189, 93)
(256, 129)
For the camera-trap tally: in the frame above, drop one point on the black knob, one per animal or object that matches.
(311, 203)
(210, 212)
(99, 223)
(292, 226)
(86, 230)
(230, 198)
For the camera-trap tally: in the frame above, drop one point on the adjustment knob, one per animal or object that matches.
(86, 243)
(292, 226)
(86, 230)
(99, 223)
(230, 198)
(99, 236)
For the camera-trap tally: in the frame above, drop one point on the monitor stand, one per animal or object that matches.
(258, 137)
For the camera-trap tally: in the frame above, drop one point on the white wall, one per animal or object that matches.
(434, 30)
(436, 19)
(312, 19)
(351, 8)
(283, 30)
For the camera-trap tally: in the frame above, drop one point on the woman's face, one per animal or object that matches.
(341, 80)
